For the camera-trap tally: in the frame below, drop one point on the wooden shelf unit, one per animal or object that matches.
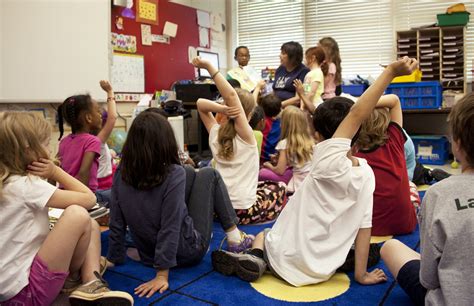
(440, 51)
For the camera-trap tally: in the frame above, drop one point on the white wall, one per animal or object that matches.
(53, 49)
(218, 7)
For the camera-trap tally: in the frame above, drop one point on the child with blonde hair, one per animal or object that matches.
(35, 260)
(295, 149)
(382, 143)
(234, 148)
(441, 274)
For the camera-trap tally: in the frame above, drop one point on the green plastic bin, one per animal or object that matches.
(453, 19)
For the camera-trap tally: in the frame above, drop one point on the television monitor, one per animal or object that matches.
(210, 56)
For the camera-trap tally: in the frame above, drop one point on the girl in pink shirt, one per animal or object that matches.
(332, 79)
(79, 151)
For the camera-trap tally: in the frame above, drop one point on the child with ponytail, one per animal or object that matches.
(234, 149)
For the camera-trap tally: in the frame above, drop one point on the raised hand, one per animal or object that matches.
(105, 85)
(403, 66)
(299, 87)
(201, 63)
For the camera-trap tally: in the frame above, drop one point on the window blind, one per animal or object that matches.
(362, 29)
(263, 26)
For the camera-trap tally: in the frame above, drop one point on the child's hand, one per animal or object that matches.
(231, 112)
(149, 288)
(201, 63)
(267, 165)
(403, 66)
(299, 87)
(106, 86)
(274, 158)
(44, 168)
(260, 84)
(372, 278)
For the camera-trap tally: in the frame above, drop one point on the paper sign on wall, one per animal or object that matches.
(147, 11)
(203, 19)
(204, 37)
(146, 35)
(124, 43)
(192, 53)
(160, 39)
(170, 29)
(216, 22)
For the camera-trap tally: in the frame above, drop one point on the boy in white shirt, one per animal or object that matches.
(333, 207)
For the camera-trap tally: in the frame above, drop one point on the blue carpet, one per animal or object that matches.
(199, 285)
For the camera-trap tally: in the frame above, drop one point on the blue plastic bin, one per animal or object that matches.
(355, 90)
(418, 95)
(431, 149)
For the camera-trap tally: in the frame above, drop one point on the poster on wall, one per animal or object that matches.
(146, 35)
(203, 37)
(124, 43)
(147, 11)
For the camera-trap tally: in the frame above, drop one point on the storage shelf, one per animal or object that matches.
(427, 111)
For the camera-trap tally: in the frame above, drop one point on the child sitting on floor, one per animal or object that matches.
(332, 208)
(79, 152)
(295, 149)
(271, 105)
(169, 209)
(442, 273)
(234, 149)
(36, 262)
(381, 142)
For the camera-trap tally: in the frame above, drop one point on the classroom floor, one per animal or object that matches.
(200, 285)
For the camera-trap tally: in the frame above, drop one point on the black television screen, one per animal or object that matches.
(210, 56)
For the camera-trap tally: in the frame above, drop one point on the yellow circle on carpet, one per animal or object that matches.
(379, 239)
(276, 288)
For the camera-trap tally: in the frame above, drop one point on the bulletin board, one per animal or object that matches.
(128, 73)
(164, 63)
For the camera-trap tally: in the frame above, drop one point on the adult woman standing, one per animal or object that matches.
(291, 68)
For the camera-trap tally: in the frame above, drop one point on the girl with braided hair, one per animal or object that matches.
(79, 152)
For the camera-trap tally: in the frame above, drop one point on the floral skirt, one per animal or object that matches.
(271, 198)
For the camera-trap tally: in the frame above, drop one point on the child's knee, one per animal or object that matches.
(78, 215)
(389, 247)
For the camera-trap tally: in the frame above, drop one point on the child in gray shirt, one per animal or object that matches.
(442, 273)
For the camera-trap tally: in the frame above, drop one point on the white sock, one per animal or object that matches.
(233, 235)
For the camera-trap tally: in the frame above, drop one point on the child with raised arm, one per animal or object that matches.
(106, 166)
(332, 209)
(381, 142)
(441, 274)
(79, 152)
(36, 261)
(234, 149)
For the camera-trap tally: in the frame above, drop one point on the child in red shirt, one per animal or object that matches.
(381, 143)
